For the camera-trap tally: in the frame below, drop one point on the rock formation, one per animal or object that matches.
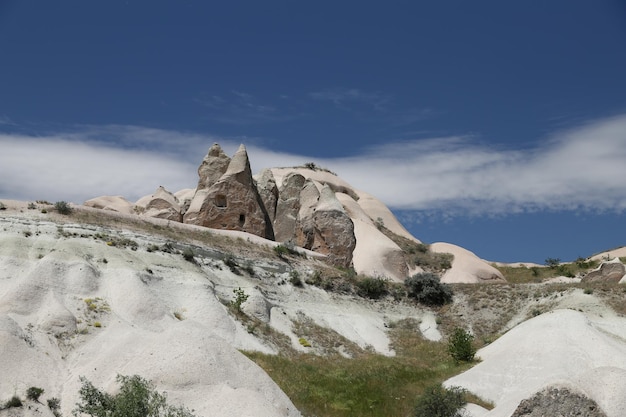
(287, 207)
(612, 271)
(231, 203)
(162, 205)
(555, 401)
(309, 207)
(268, 191)
(329, 230)
(213, 166)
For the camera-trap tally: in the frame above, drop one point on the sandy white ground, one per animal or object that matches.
(49, 337)
(585, 352)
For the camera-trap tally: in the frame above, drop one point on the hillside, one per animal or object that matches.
(237, 321)
(97, 294)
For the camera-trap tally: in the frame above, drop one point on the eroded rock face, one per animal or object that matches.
(232, 203)
(163, 205)
(268, 191)
(287, 207)
(213, 166)
(558, 402)
(608, 271)
(329, 230)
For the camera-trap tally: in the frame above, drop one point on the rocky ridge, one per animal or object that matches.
(302, 206)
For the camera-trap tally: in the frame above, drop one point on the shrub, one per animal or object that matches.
(188, 254)
(295, 279)
(552, 262)
(426, 288)
(460, 346)
(372, 287)
(240, 298)
(137, 397)
(33, 393)
(438, 401)
(2, 206)
(15, 401)
(32, 206)
(63, 207)
(231, 263)
(54, 404)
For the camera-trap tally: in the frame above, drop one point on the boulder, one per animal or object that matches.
(558, 401)
(162, 205)
(233, 202)
(611, 271)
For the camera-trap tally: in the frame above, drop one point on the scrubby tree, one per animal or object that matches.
(63, 207)
(438, 401)
(137, 398)
(33, 393)
(427, 288)
(460, 345)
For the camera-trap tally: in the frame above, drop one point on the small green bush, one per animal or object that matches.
(552, 262)
(240, 298)
(427, 289)
(438, 401)
(372, 287)
(15, 401)
(33, 393)
(63, 207)
(294, 278)
(188, 255)
(54, 404)
(137, 398)
(460, 346)
(2, 206)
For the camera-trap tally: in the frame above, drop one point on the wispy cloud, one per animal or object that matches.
(343, 98)
(6, 120)
(577, 169)
(241, 108)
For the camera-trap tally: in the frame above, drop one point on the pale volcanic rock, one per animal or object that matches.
(334, 230)
(611, 271)
(213, 166)
(288, 207)
(232, 203)
(374, 254)
(268, 191)
(113, 203)
(466, 267)
(161, 205)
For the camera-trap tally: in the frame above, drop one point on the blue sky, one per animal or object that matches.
(498, 126)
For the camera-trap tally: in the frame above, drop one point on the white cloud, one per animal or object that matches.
(583, 168)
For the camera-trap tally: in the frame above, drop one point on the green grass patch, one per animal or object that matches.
(367, 385)
(535, 274)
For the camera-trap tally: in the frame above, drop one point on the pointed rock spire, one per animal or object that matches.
(232, 202)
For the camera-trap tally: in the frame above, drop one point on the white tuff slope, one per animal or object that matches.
(75, 303)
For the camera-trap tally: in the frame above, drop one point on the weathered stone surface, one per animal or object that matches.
(329, 231)
(163, 205)
(612, 271)
(287, 207)
(113, 203)
(268, 191)
(559, 402)
(213, 166)
(305, 224)
(232, 203)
